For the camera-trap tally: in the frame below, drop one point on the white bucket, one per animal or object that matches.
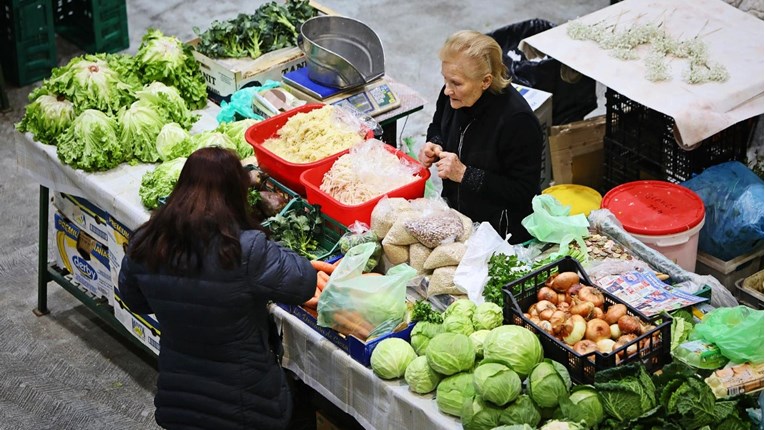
(681, 247)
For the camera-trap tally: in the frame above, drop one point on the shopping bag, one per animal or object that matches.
(550, 222)
(737, 331)
(473, 271)
(364, 305)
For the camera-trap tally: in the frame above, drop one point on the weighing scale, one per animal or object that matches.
(373, 98)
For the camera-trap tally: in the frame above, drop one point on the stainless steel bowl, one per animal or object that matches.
(341, 52)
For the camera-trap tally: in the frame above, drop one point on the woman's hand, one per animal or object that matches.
(450, 167)
(429, 154)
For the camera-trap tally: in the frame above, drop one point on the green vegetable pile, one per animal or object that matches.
(297, 230)
(502, 270)
(271, 27)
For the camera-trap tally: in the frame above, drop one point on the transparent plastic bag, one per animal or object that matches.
(356, 304)
(551, 222)
(359, 233)
(737, 331)
(436, 224)
(472, 273)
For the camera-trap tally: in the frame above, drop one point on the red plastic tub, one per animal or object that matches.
(286, 172)
(347, 214)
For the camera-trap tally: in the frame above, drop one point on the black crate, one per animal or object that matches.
(653, 348)
(640, 144)
(93, 25)
(27, 40)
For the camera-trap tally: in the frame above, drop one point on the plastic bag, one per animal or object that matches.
(436, 224)
(733, 200)
(240, 105)
(472, 273)
(737, 331)
(358, 305)
(359, 233)
(551, 222)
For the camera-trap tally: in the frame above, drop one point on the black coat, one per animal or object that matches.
(502, 149)
(216, 370)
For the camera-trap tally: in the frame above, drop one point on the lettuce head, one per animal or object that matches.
(207, 139)
(173, 141)
(47, 118)
(167, 101)
(139, 127)
(91, 143)
(236, 131)
(160, 182)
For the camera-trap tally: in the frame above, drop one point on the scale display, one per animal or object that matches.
(372, 99)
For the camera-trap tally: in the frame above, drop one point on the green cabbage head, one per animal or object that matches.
(479, 415)
(515, 347)
(548, 381)
(521, 411)
(583, 405)
(453, 391)
(561, 425)
(478, 337)
(487, 316)
(420, 377)
(457, 323)
(421, 335)
(496, 383)
(391, 357)
(450, 353)
(464, 307)
(514, 427)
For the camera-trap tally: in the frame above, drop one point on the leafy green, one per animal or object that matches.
(626, 391)
(173, 142)
(159, 183)
(477, 414)
(236, 131)
(298, 231)
(450, 353)
(391, 357)
(487, 316)
(91, 143)
(514, 346)
(521, 411)
(423, 311)
(503, 269)
(168, 102)
(453, 392)
(270, 27)
(421, 335)
(582, 405)
(166, 59)
(680, 330)
(496, 383)
(47, 118)
(420, 377)
(548, 383)
(211, 138)
(139, 127)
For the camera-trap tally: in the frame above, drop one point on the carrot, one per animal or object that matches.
(350, 323)
(321, 280)
(322, 266)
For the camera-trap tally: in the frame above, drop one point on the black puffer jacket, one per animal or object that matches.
(502, 149)
(216, 370)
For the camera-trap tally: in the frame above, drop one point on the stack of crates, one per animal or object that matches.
(27, 40)
(640, 144)
(93, 25)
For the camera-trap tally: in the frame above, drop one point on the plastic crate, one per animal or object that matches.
(347, 214)
(27, 40)
(331, 230)
(286, 172)
(93, 25)
(728, 272)
(640, 144)
(748, 296)
(522, 293)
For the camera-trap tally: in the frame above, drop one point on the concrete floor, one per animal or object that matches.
(67, 370)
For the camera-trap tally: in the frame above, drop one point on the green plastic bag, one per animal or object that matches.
(551, 222)
(241, 103)
(737, 331)
(356, 304)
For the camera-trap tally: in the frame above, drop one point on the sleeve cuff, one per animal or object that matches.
(436, 139)
(473, 178)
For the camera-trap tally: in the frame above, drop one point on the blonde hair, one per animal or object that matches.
(483, 55)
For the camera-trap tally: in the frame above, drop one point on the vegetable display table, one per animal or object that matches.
(349, 385)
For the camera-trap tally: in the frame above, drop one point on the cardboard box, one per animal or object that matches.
(541, 103)
(86, 259)
(84, 214)
(358, 350)
(224, 76)
(143, 326)
(576, 150)
(118, 237)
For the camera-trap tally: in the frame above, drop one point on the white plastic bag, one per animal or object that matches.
(473, 271)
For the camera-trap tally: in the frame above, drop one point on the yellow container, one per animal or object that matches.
(581, 199)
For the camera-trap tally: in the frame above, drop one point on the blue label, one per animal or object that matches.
(84, 268)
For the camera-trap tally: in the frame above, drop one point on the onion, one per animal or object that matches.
(584, 347)
(615, 312)
(625, 340)
(592, 295)
(629, 324)
(546, 326)
(584, 309)
(565, 306)
(563, 298)
(606, 346)
(597, 329)
(616, 332)
(564, 280)
(557, 319)
(573, 329)
(547, 294)
(573, 290)
(597, 313)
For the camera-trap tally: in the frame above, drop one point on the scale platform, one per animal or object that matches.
(372, 99)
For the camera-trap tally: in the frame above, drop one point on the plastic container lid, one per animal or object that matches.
(581, 199)
(654, 208)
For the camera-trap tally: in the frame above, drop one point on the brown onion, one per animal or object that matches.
(592, 295)
(582, 308)
(564, 280)
(597, 329)
(606, 346)
(557, 319)
(584, 347)
(563, 298)
(574, 289)
(629, 324)
(565, 306)
(572, 330)
(597, 313)
(547, 294)
(615, 312)
(616, 332)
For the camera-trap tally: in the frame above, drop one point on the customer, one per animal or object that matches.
(485, 140)
(207, 272)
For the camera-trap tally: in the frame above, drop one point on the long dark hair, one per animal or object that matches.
(207, 209)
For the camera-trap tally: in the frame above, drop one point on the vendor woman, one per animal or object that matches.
(485, 140)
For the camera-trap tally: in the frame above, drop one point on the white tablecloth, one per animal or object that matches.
(375, 403)
(733, 37)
